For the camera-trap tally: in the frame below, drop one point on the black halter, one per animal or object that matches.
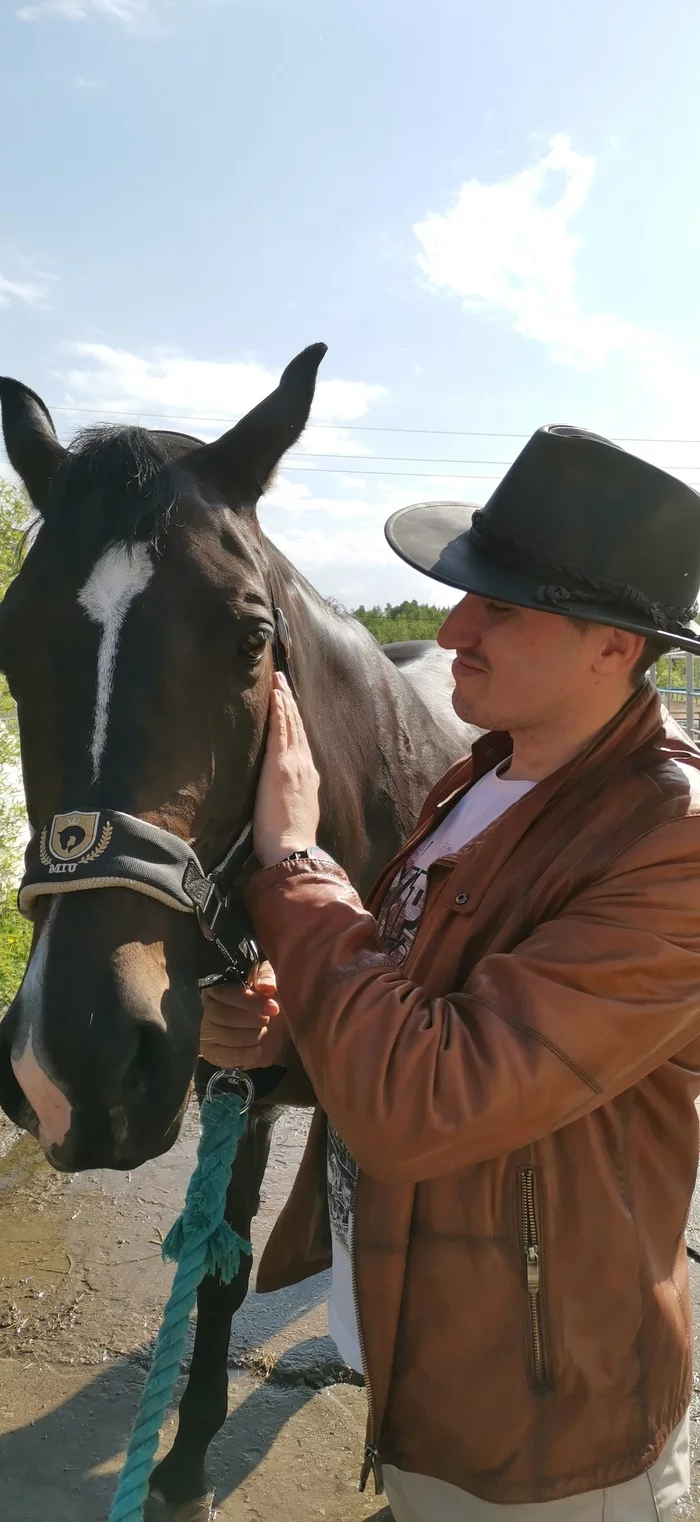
(108, 849)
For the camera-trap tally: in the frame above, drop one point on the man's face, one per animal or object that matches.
(517, 668)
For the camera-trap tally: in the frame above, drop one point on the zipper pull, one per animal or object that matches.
(532, 1260)
(372, 1465)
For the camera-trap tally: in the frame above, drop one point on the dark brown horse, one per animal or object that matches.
(137, 640)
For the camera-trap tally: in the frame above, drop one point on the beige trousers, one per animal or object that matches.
(651, 1497)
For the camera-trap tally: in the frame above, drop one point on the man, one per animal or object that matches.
(505, 1045)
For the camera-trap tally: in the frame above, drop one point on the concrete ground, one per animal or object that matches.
(82, 1286)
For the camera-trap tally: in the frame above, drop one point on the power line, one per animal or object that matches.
(413, 475)
(456, 433)
(435, 459)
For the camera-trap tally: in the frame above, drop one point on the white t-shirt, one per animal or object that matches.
(398, 922)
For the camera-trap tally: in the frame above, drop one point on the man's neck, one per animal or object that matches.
(543, 749)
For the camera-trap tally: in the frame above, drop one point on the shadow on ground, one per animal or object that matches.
(61, 1466)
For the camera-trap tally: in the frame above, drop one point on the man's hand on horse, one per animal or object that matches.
(286, 811)
(244, 1027)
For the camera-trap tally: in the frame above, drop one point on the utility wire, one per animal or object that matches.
(414, 475)
(456, 433)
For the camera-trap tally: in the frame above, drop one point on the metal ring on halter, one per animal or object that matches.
(235, 1077)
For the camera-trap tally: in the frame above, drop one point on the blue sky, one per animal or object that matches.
(489, 212)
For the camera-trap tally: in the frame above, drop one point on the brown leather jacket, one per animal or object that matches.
(520, 1100)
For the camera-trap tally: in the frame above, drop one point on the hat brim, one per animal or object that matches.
(433, 537)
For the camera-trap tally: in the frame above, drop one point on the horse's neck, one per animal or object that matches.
(377, 746)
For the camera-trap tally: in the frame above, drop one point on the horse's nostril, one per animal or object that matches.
(146, 1065)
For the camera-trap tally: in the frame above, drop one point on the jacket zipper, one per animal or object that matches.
(527, 1182)
(372, 1463)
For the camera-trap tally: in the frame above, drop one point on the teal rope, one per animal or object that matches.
(200, 1242)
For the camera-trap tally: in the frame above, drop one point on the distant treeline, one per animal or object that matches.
(403, 620)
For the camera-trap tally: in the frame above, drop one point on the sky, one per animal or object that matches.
(489, 213)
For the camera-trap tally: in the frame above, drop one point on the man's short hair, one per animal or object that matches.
(652, 652)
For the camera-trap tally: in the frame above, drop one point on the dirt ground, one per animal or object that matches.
(82, 1287)
(81, 1291)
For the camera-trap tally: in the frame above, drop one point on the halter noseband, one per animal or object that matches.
(105, 848)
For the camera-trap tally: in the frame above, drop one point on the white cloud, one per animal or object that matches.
(334, 535)
(32, 292)
(507, 250)
(339, 544)
(202, 396)
(132, 13)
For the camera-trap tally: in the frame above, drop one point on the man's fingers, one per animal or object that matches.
(277, 737)
(247, 1020)
(232, 1040)
(233, 998)
(263, 980)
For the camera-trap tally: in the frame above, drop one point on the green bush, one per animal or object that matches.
(15, 932)
(15, 938)
(404, 620)
(670, 671)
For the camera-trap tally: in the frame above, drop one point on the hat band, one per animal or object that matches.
(582, 589)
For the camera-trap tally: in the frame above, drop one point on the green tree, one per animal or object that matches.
(404, 620)
(15, 932)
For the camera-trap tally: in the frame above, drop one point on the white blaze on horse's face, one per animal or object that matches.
(121, 573)
(47, 1101)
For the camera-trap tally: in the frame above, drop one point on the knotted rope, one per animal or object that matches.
(200, 1242)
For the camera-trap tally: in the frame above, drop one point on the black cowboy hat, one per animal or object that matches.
(577, 526)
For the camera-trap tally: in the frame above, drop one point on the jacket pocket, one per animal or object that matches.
(531, 1244)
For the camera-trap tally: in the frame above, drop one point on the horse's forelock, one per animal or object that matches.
(112, 484)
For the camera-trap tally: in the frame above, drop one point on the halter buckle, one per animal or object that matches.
(282, 631)
(208, 911)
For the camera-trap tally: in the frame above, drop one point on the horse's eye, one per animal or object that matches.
(253, 644)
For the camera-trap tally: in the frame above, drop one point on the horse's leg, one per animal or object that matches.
(178, 1485)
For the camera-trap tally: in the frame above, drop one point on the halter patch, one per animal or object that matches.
(72, 840)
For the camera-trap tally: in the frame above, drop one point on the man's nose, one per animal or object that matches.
(460, 627)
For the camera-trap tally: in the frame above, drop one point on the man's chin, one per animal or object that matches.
(470, 711)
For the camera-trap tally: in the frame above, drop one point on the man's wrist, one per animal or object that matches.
(300, 853)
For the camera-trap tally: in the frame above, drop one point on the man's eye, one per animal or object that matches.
(499, 609)
(252, 645)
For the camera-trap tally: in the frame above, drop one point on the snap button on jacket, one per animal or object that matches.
(520, 1101)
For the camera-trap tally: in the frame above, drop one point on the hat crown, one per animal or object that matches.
(577, 504)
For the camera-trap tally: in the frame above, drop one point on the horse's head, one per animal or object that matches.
(136, 641)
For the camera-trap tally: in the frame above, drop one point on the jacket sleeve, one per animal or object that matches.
(588, 1005)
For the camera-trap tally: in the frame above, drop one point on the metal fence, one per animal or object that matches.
(677, 678)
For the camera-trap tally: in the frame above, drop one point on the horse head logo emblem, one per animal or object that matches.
(72, 837)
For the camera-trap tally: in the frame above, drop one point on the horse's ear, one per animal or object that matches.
(30, 438)
(240, 463)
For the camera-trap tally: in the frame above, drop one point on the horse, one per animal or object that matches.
(139, 640)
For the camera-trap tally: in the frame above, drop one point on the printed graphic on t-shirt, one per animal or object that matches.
(400, 913)
(342, 1178)
(398, 923)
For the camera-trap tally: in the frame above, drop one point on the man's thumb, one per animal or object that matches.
(264, 980)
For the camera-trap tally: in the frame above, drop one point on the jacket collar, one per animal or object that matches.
(633, 727)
